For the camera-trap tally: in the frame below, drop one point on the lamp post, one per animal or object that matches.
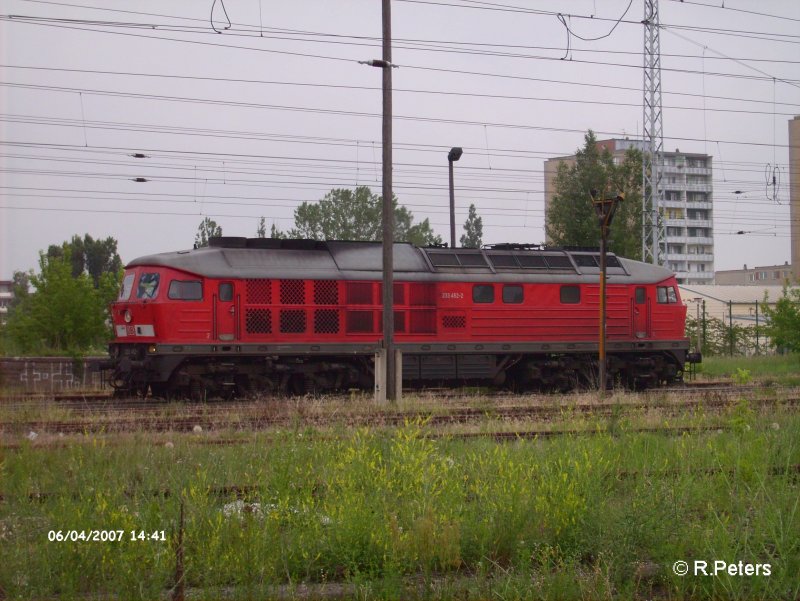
(452, 156)
(605, 209)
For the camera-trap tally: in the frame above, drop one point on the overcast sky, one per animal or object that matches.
(275, 109)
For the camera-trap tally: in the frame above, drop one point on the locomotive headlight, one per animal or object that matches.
(152, 348)
(127, 316)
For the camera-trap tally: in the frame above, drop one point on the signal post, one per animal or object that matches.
(605, 209)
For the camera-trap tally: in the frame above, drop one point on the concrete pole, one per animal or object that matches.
(388, 209)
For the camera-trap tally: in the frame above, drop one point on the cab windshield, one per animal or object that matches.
(148, 285)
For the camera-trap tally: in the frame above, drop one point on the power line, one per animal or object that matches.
(495, 7)
(124, 126)
(260, 30)
(738, 10)
(426, 169)
(737, 61)
(483, 5)
(373, 88)
(304, 163)
(202, 213)
(427, 208)
(69, 24)
(209, 101)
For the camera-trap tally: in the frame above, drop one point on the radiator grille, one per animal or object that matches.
(258, 321)
(259, 292)
(293, 292)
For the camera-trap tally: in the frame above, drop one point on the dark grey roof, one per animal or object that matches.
(363, 261)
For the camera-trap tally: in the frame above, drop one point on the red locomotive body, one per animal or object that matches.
(306, 315)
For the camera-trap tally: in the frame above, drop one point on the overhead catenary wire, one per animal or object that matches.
(231, 215)
(399, 89)
(510, 8)
(478, 4)
(332, 164)
(91, 27)
(734, 9)
(119, 125)
(306, 162)
(256, 105)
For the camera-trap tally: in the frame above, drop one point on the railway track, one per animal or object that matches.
(107, 395)
(99, 401)
(497, 436)
(262, 416)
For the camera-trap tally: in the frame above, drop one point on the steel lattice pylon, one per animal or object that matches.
(653, 235)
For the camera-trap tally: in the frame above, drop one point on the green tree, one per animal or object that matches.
(356, 215)
(207, 229)
(274, 232)
(783, 320)
(571, 219)
(21, 287)
(87, 255)
(63, 313)
(473, 230)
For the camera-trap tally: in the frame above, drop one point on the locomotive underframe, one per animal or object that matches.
(228, 370)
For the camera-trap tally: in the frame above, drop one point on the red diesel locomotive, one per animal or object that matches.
(299, 315)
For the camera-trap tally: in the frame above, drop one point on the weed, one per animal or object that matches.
(401, 513)
(742, 376)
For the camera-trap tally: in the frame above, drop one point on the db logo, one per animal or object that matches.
(131, 330)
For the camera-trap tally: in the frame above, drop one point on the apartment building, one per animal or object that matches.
(687, 210)
(764, 275)
(6, 296)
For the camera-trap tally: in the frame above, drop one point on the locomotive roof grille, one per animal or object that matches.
(313, 259)
(455, 258)
(476, 259)
(585, 260)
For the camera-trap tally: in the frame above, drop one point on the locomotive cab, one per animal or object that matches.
(132, 313)
(154, 304)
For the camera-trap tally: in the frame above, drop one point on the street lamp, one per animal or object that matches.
(452, 156)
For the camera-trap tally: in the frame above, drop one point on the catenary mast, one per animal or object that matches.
(653, 234)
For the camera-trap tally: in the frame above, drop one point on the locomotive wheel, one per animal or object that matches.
(297, 384)
(161, 390)
(197, 391)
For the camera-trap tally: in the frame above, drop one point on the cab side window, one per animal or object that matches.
(666, 295)
(185, 290)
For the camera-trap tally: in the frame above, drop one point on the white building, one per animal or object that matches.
(6, 296)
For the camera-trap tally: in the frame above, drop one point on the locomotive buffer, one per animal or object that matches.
(605, 209)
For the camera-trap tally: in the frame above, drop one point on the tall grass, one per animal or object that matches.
(396, 513)
(782, 369)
